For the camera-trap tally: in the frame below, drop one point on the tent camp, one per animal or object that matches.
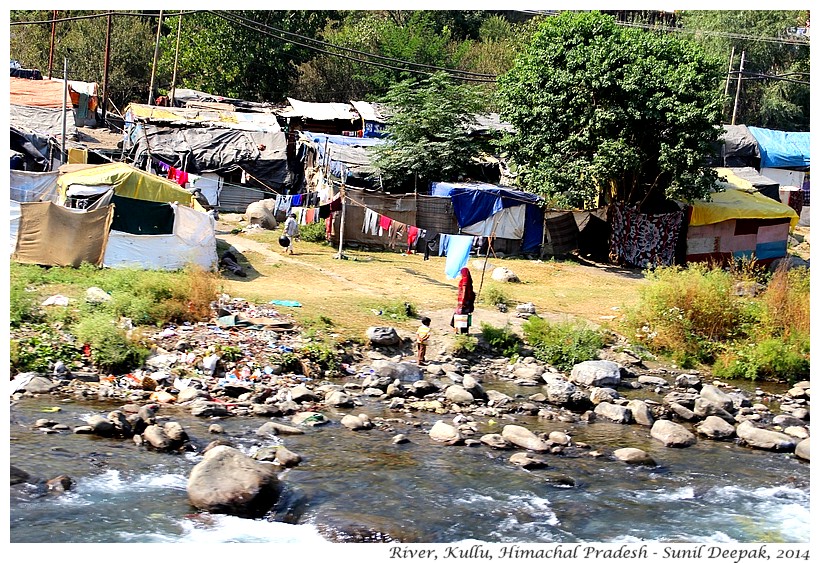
(490, 210)
(346, 158)
(114, 215)
(738, 223)
(241, 155)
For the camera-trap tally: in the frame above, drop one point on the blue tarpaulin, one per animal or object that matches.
(781, 149)
(474, 202)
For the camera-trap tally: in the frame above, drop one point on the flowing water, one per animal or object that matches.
(351, 483)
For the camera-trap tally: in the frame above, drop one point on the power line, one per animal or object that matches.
(453, 72)
(348, 49)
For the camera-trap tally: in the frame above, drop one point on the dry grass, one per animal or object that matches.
(347, 291)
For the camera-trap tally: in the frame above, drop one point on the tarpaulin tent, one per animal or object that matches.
(782, 149)
(153, 223)
(346, 157)
(490, 210)
(738, 224)
(750, 179)
(33, 186)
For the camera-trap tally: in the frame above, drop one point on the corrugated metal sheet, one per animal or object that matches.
(235, 199)
(436, 215)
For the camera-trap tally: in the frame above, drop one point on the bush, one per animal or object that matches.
(323, 355)
(313, 232)
(112, 350)
(787, 302)
(464, 345)
(685, 312)
(562, 344)
(40, 351)
(400, 310)
(772, 358)
(495, 296)
(502, 340)
(23, 307)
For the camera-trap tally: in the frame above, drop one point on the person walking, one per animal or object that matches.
(291, 230)
(466, 300)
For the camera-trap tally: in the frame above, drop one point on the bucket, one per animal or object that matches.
(462, 323)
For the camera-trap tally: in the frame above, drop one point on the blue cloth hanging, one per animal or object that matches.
(458, 252)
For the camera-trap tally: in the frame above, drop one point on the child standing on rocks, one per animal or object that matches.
(422, 336)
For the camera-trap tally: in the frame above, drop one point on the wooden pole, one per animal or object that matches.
(106, 64)
(154, 66)
(63, 156)
(51, 48)
(729, 73)
(739, 79)
(341, 254)
(176, 59)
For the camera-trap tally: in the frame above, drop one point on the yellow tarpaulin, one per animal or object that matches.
(734, 203)
(127, 182)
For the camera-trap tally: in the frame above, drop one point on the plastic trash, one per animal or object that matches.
(60, 300)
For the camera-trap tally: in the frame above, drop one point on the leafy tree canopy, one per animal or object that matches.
(608, 113)
(775, 104)
(429, 133)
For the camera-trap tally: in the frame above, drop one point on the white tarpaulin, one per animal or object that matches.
(193, 242)
(507, 223)
(79, 190)
(210, 184)
(14, 212)
(33, 186)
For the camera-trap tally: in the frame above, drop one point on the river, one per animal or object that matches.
(360, 486)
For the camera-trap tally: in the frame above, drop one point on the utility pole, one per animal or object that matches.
(63, 156)
(156, 56)
(176, 59)
(106, 63)
(51, 48)
(739, 79)
(729, 73)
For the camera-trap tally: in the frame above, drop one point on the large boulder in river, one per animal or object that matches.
(672, 434)
(565, 394)
(641, 413)
(712, 394)
(614, 413)
(716, 428)
(403, 371)
(458, 395)
(763, 439)
(596, 373)
(227, 481)
(633, 456)
(382, 336)
(445, 433)
(524, 438)
(802, 450)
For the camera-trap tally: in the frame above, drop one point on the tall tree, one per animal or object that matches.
(241, 54)
(429, 133)
(607, 113)
(764, 102)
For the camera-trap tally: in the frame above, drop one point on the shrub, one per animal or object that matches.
(502, 340)
(685, 312)
(40, 351)
(464, 345)
(313, 232)
(495, 296)
(23, 307)
(562, 344)
(112, 350)
(323, 355)
(787, 302)
(772, 358)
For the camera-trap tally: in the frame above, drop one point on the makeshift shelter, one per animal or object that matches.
(115, 215)
(738, 223)
(373, 116)
(33, 186)
(46, 93)
(236, 158)
(347, 159)
(750, 179)
(492, 211)
(643, 239)
(333, 118)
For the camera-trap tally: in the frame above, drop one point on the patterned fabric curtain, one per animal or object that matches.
(642, 240)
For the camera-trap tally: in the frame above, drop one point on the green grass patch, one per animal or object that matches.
(464, 345)
(502, 340)
(562, 344)
(112, 349)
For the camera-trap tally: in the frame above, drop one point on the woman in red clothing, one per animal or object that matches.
(466, 298)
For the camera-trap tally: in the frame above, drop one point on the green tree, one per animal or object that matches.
(241, 54)
(608, 113)
(763, 102)
(429, 132)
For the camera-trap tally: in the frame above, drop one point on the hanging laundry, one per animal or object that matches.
(296, 201)
(458, 253)
(396, 233)
(324, 211)
(371, 222)
(412, 234)
(384, 225)
(178, 176)
(443, 242)
(336, 204)
(309, 213)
